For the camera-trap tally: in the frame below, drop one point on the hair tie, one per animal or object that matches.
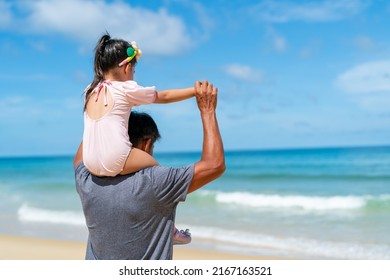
(103, 46)
(132, 51)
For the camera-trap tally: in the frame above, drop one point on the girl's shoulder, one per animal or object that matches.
(124, 83)
(129, 85)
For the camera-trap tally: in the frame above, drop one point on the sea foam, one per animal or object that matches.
(28, 213)
(310, 203)
(257, 243)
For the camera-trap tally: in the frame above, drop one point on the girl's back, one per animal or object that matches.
(106, 144)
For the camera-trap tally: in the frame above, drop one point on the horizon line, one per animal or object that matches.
(269, 149)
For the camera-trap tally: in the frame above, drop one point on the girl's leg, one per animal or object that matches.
(138, 160)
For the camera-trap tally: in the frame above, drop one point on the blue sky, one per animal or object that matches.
(290, 73)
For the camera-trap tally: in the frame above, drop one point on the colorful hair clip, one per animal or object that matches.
(139, 52)
(132, 52)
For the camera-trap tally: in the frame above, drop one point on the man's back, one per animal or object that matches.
(132, 216)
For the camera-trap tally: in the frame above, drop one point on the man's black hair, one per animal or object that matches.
(141, 126)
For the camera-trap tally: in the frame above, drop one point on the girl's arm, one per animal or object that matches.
(174, 95)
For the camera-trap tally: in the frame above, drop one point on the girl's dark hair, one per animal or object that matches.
(108, 54)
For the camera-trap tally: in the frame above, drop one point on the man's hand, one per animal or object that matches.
(212, 162)
(206, 96)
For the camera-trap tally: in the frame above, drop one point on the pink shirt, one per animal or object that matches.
(106, 143)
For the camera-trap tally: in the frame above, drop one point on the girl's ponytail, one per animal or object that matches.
(98, 67)
(108, 54)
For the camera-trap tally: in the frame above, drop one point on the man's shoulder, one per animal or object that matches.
(166, 169)
(162, 175)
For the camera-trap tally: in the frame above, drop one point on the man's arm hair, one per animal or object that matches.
(212, 162)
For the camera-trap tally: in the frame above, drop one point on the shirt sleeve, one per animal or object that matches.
(138, 95)
(171, 184)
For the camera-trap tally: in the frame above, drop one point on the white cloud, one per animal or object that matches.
(368, 84)
(26, 107)
(364, 43)
(200, 12)
(366, 77)
(311, 49)
(243, 72)
(279, 43)
(312, 11)
(157, 32)
(25, 77)
(379, 102)
(39, 46)
(5, 14)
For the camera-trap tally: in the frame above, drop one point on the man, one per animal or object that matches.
(132, 216)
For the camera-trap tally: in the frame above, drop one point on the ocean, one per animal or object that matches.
(328, 203)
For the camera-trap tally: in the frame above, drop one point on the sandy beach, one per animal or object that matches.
(31, 248)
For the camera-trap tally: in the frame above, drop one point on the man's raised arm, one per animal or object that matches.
(212, 162)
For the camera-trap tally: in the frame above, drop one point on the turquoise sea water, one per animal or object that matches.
(309, 203)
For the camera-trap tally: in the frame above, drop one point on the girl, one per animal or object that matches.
(107, 150)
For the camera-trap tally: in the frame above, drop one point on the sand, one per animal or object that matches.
(31, 248)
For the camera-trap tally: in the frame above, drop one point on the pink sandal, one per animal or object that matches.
(181, 237)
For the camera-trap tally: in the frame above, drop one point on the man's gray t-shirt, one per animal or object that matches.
(132, 216)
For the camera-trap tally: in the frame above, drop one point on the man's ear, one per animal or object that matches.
(148, 144)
